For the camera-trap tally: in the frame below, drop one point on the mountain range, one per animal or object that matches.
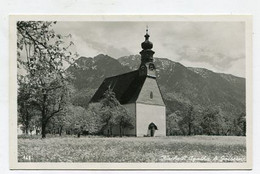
(179, 85)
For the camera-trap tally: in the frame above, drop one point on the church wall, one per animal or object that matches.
(146, 114)
(150, 86)
(131, 108)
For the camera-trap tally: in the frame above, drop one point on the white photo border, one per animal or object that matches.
(13, 146)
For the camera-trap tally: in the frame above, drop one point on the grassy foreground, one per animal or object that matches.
(132, 149)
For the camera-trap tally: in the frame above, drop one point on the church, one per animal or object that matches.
(139, 93)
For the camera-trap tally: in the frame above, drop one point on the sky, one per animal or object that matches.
(217, 46)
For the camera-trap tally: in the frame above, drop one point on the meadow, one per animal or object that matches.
(175, 149)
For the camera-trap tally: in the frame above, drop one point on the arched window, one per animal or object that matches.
(151, 66)
(151, 95)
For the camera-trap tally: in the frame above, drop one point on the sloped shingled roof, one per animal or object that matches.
(125, 86)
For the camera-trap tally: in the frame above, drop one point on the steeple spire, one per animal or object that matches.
(146, 35)
(147, 67)
(147, 53)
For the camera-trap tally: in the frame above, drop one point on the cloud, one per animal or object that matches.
(217, 45)
(218, 60)
(98, 37)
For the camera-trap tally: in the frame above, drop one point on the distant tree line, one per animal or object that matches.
(209, 121)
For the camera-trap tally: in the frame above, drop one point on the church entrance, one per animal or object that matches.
(152, 127)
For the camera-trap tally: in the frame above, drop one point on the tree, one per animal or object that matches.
(123, 119)
(188, 119)
(59, 122)
(76, 119)
(108, 105)
(241, 123)
(27, 112)
(79, 120)
(173, 123)
(94, 121)
(114, 114)
(41, 54)
(24, 115)
(211, 122)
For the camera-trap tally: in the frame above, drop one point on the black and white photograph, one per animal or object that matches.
(154, 91)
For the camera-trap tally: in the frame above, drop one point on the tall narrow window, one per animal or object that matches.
(151, 95)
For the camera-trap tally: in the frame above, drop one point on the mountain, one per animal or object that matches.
(89, 74)
(179, 84)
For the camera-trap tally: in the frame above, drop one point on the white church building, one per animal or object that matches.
(139, 93)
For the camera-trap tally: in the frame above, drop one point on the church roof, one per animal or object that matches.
(125, 86)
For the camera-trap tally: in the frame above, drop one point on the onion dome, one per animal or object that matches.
(147, 44)
(147, 52)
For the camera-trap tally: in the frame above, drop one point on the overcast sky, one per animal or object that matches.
(218, 46)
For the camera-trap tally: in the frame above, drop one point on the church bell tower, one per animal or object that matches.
(147, 67)
(139, 92)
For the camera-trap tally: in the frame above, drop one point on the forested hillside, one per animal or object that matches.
(187, 92)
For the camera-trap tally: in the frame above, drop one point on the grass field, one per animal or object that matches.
(132, 149)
